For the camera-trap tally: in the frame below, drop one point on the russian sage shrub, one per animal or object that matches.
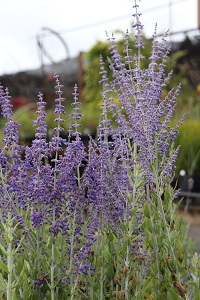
(97, 222)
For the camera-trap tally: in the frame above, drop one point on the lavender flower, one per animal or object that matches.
(57, 141)
(11, 129)
(73, 202)
(75, 116)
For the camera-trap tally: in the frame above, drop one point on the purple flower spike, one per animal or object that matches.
(75, 116)
(11, 129)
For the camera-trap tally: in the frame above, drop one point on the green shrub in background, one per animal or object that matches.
(188, 101)
(25, 116)
(92, 98)
(188, 138)
(189, 152)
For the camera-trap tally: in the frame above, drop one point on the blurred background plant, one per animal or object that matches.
(188, 101)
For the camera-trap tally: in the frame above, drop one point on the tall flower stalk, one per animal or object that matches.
(39, 144)
(56, 145)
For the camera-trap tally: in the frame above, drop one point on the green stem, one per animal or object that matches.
(101, 284)
(102, 253)
(53, 209)
(72, 289)
(154, 235)
(127, 275)
(9, 258)
(52, 272)
(60, 264)
(53, 222)
(38, 259)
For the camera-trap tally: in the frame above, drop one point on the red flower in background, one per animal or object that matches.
(18, 102)
(197, 90)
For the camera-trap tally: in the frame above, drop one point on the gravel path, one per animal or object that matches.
(192, 217)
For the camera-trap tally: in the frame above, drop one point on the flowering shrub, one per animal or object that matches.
(101, 222)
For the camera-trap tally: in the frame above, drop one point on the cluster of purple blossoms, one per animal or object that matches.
(60, 181)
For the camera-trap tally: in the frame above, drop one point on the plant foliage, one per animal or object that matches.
(97, 223)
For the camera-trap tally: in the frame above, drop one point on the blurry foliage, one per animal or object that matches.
(25, 116)
(189, 153)
(92, 88)
(188, 101)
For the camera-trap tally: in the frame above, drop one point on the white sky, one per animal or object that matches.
(22, 20)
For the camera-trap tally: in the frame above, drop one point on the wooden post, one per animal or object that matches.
(80, 74)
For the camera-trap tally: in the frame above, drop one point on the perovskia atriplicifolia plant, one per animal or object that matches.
(97, 222)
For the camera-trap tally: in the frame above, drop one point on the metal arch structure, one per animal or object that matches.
(43, 50)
